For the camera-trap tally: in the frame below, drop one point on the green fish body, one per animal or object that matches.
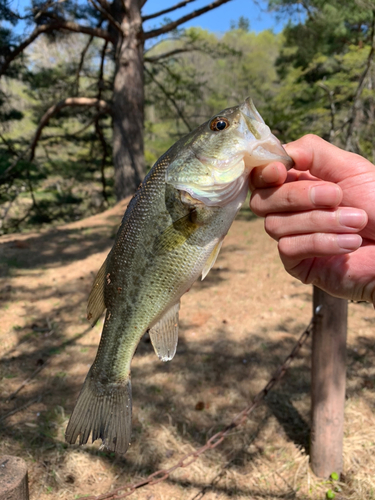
(171, 234)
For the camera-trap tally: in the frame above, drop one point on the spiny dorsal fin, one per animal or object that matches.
(164, 334)
(95, 304)
(212, 258)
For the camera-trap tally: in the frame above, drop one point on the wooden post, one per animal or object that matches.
(13, 478)
(328, 374)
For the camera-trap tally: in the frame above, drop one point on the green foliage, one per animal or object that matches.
(321, 65)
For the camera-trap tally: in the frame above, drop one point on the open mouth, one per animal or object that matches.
(262, 146)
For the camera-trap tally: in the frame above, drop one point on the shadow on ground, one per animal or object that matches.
(208, 382)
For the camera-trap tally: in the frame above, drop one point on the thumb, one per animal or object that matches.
(324, 160)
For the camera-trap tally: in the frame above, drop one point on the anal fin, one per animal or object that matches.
(212, 258)
(96, 304)
(164, 334)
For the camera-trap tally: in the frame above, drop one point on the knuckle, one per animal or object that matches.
(318, 219)
(291, 197)
(315, 242)
(286, 247)
(271, 226)
(256, 204)
(315, 218)
(311, 138)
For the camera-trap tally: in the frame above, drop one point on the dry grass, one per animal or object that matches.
(236, 327)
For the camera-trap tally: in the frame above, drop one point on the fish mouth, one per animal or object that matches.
(262, 146)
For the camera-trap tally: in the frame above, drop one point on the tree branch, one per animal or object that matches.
(170, 98)
(83, 55)
(108, 16)
(330, 94)
(8, 145)
(81, 61)
(354, 109)
(101, 71)
(73, 134)
(98, 129)
(161, 12)
(171, 26)
(70, 101)
(55, 25)
(103, 143)
(153, 59)
(102, 106)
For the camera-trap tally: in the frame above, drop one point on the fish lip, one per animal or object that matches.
(262, 145)
(249, 110)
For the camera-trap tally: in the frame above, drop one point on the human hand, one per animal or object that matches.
(322, 213)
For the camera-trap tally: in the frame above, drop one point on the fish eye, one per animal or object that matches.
(219, 123)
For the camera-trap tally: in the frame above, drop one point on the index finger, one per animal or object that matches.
(275, 174)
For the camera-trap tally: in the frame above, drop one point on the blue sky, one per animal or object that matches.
(219, 19)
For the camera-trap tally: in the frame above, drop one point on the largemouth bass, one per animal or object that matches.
(171, 233)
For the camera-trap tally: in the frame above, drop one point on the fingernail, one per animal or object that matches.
(327, 195)
(352, 218)
(349, 241)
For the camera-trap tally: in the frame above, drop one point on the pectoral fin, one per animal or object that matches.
(164, 334)
(212, 258)
(96, 305)
(177, 233)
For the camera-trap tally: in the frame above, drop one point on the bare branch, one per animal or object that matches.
(108, 16)
(170, 98)
(361, 84)
(25, 382)
(83, 55)
(70, 101)
(73, 134)
(105, 5)
(55, 25)
(102, 106)
(81, 61)
(161, 12)
(51, 3)
(171, 26)
(153, 59)
(101, 71)
(23, 407)
(103, 143)
(8, 145)
(330, 94)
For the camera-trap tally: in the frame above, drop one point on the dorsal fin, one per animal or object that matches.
(164, 334)
(96, 304)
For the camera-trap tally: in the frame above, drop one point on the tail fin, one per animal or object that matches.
(105, 410)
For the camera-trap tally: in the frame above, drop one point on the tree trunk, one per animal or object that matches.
(128, 100)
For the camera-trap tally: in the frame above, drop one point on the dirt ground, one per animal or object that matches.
(236, 327)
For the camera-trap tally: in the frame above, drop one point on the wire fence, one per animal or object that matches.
(216, 439)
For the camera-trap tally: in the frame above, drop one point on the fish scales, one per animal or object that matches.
(171, 232)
